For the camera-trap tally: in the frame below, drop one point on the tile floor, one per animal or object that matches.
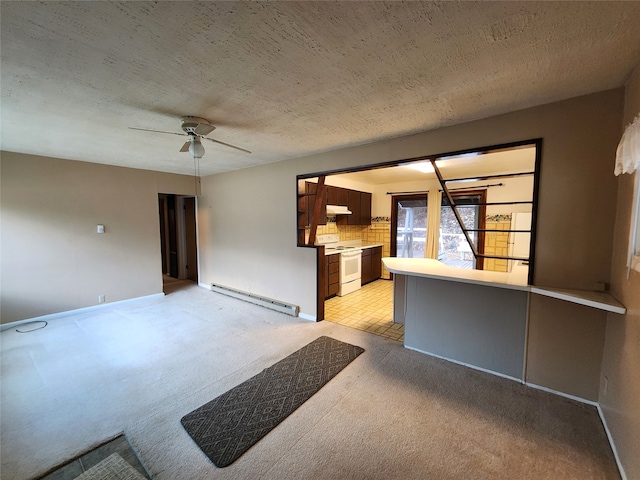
(118, 445)
(369, 309)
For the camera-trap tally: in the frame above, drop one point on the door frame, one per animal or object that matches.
(173, 233)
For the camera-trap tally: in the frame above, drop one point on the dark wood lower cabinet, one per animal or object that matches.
(371, 264)
(376, 262)
(366, 266)
(333, 275)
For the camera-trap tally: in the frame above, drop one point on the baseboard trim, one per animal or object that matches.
(474, 367)
(562, 394)
(66, 313)
(623, 475)
(304, 316)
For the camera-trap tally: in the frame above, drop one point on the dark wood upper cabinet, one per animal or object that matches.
(365, 208)
(343, 197)
(354, 206)
(358, 202)
(332, 195)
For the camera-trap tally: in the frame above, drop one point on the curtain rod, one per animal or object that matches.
(475, 186)
(406, 193)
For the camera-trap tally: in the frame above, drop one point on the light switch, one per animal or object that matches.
(100, 228)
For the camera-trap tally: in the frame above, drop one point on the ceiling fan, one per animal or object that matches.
(195, 128)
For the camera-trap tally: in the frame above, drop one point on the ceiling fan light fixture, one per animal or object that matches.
(196, 149)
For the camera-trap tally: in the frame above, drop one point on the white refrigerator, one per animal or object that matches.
(519, 243)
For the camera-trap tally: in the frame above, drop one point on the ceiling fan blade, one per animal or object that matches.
(157, 131)
(203, 129)
(226, 144)
(185, 147)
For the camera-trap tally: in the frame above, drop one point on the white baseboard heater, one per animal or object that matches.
(258, 300)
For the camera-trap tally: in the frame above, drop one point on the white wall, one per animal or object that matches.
(345, 182)
(52, 258)
(247, 235)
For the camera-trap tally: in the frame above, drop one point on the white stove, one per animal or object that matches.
(350, 261)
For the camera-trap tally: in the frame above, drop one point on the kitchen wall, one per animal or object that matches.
(497, 243)
(248, 218)
(620, 393)
(52, 258)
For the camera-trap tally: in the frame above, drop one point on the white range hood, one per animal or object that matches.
(338, 210)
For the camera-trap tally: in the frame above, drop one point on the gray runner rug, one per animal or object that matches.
(229, 425)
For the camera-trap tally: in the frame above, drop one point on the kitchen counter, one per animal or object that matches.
(351, 243)
(430, 268)
(370, 245)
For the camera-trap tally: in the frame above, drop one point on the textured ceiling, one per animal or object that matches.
(286, 79)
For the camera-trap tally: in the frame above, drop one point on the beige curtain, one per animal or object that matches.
(434, 204)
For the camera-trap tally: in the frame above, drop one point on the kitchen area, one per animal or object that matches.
(369, 215)
(356, 287)
(356, 294)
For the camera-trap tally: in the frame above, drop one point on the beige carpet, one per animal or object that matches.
(392, 414)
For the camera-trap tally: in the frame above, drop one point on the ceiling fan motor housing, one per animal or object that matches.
(196, 126)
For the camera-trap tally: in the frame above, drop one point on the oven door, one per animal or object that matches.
(350, 266)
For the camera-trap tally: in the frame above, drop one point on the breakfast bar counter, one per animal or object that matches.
(473, 317)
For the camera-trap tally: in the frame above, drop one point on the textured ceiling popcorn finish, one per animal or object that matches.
(286, 79)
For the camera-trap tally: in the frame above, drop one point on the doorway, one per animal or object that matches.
(178, 236)
(408, 225)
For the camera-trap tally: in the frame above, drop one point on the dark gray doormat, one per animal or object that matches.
(229, 425)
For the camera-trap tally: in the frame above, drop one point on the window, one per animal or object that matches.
(453, 248)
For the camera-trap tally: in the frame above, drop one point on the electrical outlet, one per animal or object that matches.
(100, 298)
